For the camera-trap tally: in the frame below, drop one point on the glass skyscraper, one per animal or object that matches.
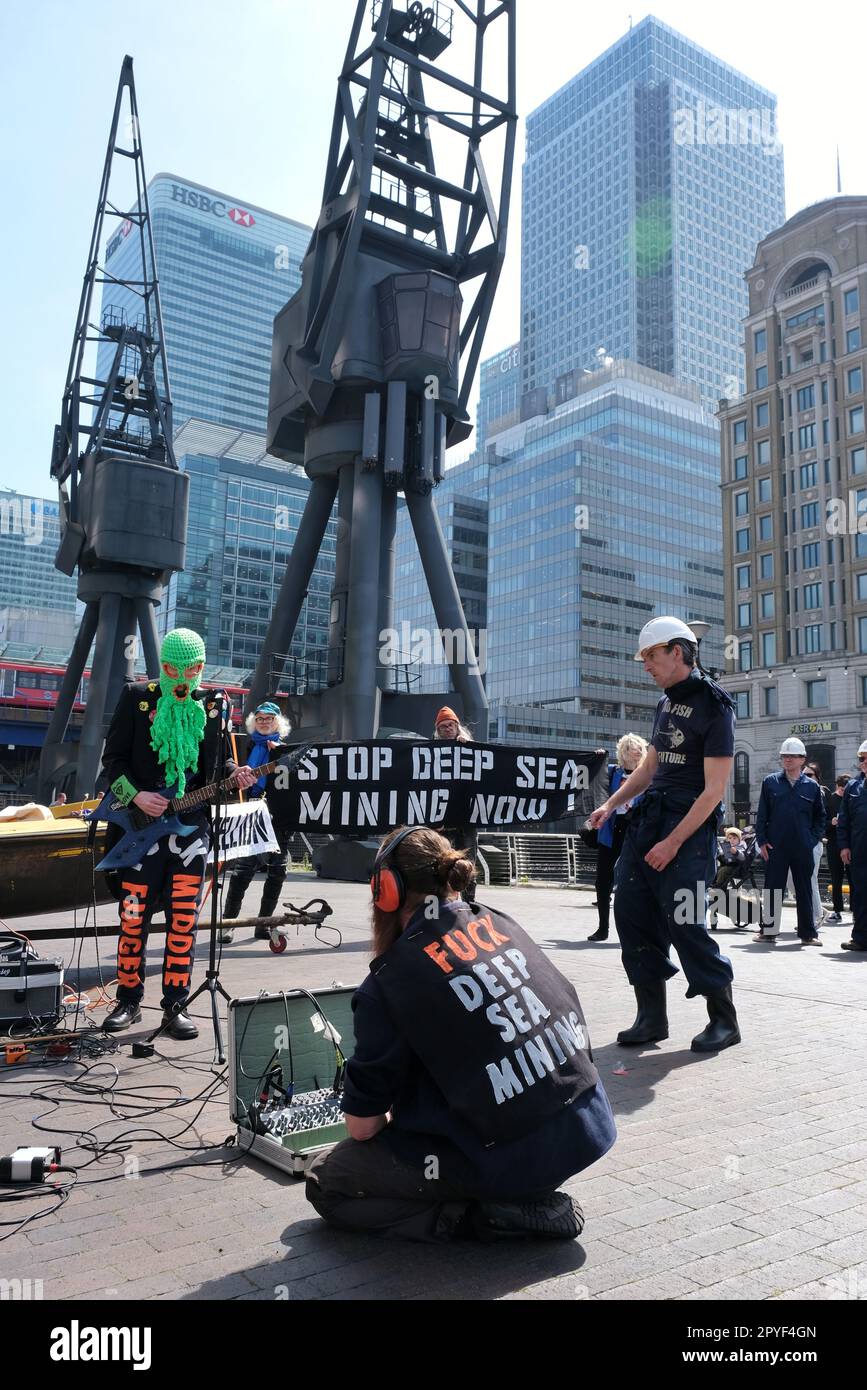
(601, 515)
(649, 179)
(225, 268)
(37, 602)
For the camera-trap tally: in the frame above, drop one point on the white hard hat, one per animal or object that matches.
(660, 630)
(793, 745)
(863, 748)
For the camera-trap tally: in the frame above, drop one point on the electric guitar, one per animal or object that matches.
(141, 831)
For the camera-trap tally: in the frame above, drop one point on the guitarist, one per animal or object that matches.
(166, 734)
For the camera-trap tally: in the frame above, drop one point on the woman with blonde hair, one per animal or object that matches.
(630, 750)
(472, 1094)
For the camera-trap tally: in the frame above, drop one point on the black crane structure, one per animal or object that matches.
(374, 356)
(123, 500)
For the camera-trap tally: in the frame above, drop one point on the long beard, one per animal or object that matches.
(176, 734)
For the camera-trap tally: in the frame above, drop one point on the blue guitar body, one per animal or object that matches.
(141, 832)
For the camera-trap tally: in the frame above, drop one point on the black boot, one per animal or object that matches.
(234, 899)
(181, 1026)
(556, 1216)
(267, 908)
(600, 934)
(651, 1022)
(722, 1030)
(122, 1015)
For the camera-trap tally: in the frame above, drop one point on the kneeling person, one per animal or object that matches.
(472, 1093)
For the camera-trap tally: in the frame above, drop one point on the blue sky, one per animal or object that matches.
(238, 94)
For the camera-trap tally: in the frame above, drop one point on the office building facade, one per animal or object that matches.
(649, 178)
(245, 509)
(225, 268)
(37, 602)
(795, 498)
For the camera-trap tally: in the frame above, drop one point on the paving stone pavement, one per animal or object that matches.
(736, 1176)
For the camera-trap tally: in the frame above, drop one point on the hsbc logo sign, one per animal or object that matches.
(216, 206)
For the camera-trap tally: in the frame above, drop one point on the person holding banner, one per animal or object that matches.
(630, 750)
(472, 1094)
(267, 730)
(447, 726)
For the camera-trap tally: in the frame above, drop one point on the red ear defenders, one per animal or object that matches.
(387, 885)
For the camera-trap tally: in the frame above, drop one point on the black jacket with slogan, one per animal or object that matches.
(490, 1017)
(128, 752)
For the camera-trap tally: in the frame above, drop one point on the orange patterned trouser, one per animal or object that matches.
(163, 878)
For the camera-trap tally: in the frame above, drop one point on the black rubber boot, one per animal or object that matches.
(600, 934)
(722, 1030)
(122, 1015)
(267, 908)
(651, 1021)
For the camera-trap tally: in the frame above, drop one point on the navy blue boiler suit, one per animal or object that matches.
(653, 910)
(852, 835)
(791, 820)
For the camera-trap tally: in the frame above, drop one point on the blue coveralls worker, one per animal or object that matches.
(789, 824)
(669, 856)
(852, 840)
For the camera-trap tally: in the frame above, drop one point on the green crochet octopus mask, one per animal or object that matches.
(179, 723)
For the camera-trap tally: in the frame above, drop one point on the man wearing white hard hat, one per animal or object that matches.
(852, 841)
(669, 856)
(790, 824)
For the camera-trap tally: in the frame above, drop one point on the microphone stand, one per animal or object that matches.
(211, 982)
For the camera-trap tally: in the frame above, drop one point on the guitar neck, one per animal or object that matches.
(209, 792)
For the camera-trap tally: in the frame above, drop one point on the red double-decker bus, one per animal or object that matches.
(35, 685)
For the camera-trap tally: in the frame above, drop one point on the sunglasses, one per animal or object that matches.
(862, 757)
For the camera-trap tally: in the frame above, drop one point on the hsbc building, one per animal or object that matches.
(226, 266)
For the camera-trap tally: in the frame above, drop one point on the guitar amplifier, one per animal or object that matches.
(303, 1039)
(31, 988)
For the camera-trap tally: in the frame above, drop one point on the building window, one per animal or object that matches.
(856, 420)
(858, 459)
(766, 566)
(854, 381)
(810, 555)
(864, 690)
(760, 340)
(853, 339)
(761, 378)
(861, 581)
(742, 540)
(765, 490)
(743, 576)
(769, 699)
(762, 415)
(745, 617)
(763, 452)
(806, 398)
(810, 514)
(862, 634)
(817, 694)
(742, 704)
(766, 528)
(742, 503)
(740, 468)
(767, 605)
(812, 596)
(745, 656)
(812, 638)
(807, 475)
(807, 436)
(850, 301)
(739, 432)
(769, 648)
